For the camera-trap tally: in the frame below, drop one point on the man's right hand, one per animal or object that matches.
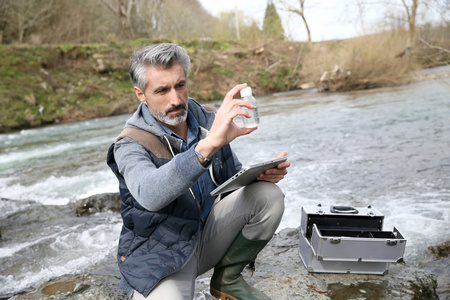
(224, 130)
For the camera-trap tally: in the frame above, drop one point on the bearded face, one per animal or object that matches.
(166, 95)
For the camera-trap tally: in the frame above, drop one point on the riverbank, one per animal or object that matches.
(50, 84)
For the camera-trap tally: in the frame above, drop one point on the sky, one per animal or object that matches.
(327, 19)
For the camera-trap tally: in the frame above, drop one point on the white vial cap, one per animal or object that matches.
(246, 92)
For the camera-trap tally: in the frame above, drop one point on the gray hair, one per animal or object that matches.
(163, 55)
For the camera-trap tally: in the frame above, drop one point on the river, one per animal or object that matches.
(388, 147)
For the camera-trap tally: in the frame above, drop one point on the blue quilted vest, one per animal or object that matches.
(153, 245)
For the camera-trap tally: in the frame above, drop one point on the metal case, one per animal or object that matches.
(343, 239)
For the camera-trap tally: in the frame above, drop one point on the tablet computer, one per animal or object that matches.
(246, 176)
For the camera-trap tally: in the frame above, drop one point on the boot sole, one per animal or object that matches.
(220, 295)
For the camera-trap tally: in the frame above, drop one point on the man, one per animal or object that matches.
(173, 229)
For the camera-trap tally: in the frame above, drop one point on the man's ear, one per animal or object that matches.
(140, 94)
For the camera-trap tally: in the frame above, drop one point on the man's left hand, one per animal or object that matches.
(276, 174)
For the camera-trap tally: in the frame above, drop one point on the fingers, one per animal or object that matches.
(275, 174)
(235, 91)
(274, 178)
(278, 173)
(282, 154)
(231, 105)
(223, 129)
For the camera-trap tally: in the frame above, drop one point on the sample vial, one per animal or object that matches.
(247, 95)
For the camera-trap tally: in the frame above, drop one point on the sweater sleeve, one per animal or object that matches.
(154, 188)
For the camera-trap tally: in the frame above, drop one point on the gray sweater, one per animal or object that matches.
(170, 180)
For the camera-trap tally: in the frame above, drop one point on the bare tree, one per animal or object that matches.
(409, 12)
(80, 21)
(85, 21)
(123, 9)
(298, 9)
(22, 15)
(148, 17)
(228, 23)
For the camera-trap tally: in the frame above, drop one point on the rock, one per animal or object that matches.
(402, 53)
(438, 263)
(308, 85)
(101, 67)
(279, 273)
(98, 203)
(259, 51)
(441, 250)
(77, 287)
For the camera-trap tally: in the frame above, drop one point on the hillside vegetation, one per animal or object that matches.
(47, 84)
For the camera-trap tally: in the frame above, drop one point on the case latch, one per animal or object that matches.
(391, 242)
(335, 240)
(343, 210)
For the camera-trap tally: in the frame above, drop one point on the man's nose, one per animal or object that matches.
(174, 98)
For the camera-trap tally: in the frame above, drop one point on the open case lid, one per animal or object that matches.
(340, 217)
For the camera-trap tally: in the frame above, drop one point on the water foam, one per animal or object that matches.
(60, 190)
(66, 252)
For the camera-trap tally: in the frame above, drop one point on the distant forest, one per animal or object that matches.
(97, 21)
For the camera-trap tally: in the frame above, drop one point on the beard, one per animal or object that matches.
(171, 120)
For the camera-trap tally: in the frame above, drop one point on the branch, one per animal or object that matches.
(38, 16)
(434, 47)
(111, 7)
(293, 10)
(407, 10)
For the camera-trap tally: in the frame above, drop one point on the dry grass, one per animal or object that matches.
(364, 62)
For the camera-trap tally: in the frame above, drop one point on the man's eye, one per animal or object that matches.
(181, 84)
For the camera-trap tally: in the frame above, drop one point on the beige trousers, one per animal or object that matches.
(256, 210)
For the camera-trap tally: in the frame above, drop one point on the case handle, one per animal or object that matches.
(343, 210)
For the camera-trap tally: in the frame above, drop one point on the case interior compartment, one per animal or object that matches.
(357, 233)
(345, 223)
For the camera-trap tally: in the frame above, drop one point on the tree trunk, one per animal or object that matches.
(411, 13)
(124, 14)
(412, 23)
(21, 28)
(302, 6)
(307, 28)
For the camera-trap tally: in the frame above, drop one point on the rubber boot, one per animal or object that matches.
(227, 282)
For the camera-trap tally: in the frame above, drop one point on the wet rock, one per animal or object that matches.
(98, 203)
(59, 287)
(441, 250)
(36, 214)
(438, 263)
(77, 287)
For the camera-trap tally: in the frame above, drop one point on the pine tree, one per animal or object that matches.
(272, 26)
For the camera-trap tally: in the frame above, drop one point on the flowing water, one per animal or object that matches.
(389, 148)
